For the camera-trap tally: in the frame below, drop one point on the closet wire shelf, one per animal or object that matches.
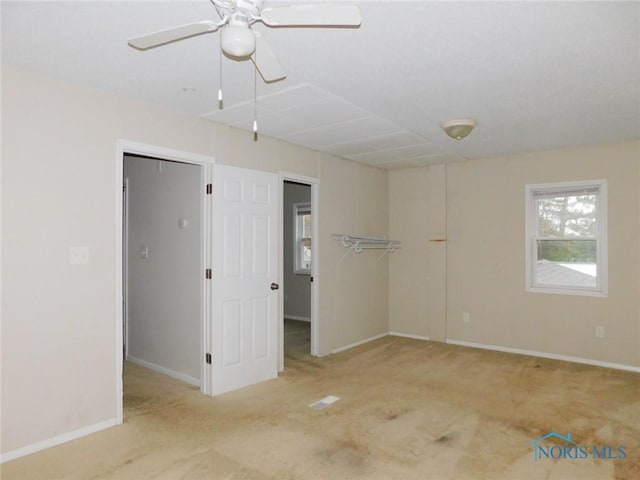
(358, 244)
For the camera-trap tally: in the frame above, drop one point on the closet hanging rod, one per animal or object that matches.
(357, 243)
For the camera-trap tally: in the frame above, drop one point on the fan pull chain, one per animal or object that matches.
(255, 97)
(220, 104)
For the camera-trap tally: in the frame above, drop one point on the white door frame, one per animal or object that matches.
(125, 265)
(127, 147)
(314, 183)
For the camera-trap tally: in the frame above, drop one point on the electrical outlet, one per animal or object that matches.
(599, 332)
(466, 318)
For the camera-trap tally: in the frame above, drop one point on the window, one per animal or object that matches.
(302, 241)
(566, 238)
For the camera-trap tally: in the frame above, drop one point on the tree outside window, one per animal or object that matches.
(566, 231)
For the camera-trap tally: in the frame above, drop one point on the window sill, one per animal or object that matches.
(567, 291)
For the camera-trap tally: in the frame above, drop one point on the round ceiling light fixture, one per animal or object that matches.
(238, 40)
(460, 128)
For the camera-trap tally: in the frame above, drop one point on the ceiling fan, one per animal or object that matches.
(239, 41)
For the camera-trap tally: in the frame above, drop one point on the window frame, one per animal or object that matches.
(299, 210)
(531, 237)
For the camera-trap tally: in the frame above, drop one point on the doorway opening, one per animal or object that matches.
(299, 327)
(297, 259)
(162, 241)
(162, 247)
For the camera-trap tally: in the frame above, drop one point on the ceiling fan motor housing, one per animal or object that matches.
(252, 7)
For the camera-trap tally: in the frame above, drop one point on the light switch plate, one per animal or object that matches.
(78, 255)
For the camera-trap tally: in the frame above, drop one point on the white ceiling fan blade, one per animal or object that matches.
(155, 39)
(266, 62)
(324, 14)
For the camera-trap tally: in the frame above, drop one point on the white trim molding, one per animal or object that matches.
(552, 356)
(58, 440)
(409, 335)
(162, 153)
(361, 342)
(171, 373)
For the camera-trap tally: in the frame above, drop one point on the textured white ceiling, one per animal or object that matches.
(535, 75)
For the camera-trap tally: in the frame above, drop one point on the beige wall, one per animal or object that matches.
(409, 272)
(236, 148)
(353, 292)
(417, 272)
(485, 266)
(59, 189)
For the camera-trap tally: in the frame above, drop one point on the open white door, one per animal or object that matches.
(245, 303)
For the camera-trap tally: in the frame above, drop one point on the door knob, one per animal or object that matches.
(275, 286)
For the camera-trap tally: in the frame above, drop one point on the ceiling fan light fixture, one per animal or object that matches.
(238, 41)
(460, 128)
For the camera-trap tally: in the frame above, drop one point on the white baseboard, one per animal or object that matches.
(171, 373)
(57, 440)
(408, 335)
(552, 356)
(297, 317)
(361, 342)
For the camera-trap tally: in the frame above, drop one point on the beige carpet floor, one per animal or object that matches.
(408, 410)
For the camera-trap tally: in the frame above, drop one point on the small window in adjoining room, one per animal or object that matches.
(566, 234)
(302, 244)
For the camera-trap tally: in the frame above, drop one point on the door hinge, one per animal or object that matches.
(207, 358)
(209, 188)
(312, 279)
(207, 274)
